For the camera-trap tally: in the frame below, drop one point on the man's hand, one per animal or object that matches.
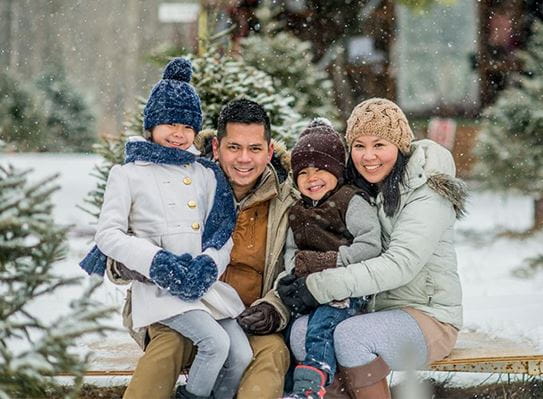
(260, 319)
(295, 295)
(183, 276)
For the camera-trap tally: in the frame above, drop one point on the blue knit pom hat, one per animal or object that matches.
(173, 99)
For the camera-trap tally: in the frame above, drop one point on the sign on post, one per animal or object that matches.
(442, 131)
(178, 12)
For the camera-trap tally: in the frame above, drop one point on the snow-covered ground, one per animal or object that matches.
(495, 301)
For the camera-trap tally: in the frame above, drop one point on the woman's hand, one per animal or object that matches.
(295, 295)
(260, 319)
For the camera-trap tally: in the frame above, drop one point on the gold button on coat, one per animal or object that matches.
(195, 226)
(191, 204)
(187, 180)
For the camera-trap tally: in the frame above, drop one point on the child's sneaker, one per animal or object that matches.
(308, 383)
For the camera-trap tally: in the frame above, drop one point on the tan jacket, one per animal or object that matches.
(247, 266)
(275, 241)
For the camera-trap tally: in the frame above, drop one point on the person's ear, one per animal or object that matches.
(270, 151)
(215, 147)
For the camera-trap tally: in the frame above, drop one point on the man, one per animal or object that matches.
(244, 149)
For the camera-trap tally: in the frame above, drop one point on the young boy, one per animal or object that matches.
(168, 217)
(332, 225)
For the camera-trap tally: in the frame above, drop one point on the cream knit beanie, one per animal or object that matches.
(382, 118)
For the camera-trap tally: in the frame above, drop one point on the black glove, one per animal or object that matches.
(260, 319)
(295, 295)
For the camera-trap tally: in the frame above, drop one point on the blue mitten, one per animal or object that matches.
(183, 276)
(202, 273)
(168, 271)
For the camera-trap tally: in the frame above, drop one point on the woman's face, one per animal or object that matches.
(373, 157)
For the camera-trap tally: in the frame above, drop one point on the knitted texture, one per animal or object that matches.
(221, 220)
(382, 118)
(94, 262)
(319, 146)
(173, 99)
(182, 276)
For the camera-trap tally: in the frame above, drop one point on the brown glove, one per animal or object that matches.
(120, 271)
(307, 262)
(260, 319)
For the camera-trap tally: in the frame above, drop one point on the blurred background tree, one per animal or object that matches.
(49, 114)
(510, 144)
(289, 61)
(22, 121)
(70, 123)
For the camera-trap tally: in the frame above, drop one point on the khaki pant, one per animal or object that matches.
(168, 354)
(265, 376)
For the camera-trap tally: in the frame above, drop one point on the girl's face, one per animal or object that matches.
(373, 157)
(173, 135)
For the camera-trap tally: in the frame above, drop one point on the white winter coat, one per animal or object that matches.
(148, 207)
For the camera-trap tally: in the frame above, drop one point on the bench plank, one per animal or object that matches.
(474, 352)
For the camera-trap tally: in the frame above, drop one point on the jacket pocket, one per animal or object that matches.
(429, 288)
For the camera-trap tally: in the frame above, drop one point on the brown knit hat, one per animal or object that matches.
(382, 118)
(319, 146)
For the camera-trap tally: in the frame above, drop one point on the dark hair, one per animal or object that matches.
(390, 186)
(243, 111)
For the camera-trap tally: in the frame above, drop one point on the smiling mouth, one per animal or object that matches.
(371, 168)
(315, 188)
(243, 171)
(175, 143)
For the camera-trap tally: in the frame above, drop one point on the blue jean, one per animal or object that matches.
(319, 343)
(223, 353)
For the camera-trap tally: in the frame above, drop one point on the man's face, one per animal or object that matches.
(243, 154)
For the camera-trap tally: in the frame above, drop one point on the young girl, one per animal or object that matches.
(168, 216)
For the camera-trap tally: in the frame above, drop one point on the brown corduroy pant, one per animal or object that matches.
(168, 354)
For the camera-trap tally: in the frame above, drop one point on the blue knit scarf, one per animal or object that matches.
(220, 221)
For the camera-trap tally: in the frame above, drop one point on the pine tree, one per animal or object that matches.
(22, 122)
(31, 349)
(289, 61)
(70, 122)
(510, 144)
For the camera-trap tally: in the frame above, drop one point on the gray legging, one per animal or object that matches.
(394, 335)
(223, 353)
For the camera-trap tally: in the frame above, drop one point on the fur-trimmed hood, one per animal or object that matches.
(433, 164)
(280, 160)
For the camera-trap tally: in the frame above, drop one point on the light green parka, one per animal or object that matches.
(418, 265)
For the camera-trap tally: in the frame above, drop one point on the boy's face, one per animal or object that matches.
(243, 154)
(173, 135)
(315, 183)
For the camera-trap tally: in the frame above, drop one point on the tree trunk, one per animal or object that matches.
(538, 213)
(5, 33)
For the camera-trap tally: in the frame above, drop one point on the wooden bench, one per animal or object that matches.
(474, 352)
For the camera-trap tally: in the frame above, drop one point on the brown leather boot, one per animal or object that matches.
(337, 390)
(368, 381)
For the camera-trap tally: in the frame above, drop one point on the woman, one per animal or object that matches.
(416, 312)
